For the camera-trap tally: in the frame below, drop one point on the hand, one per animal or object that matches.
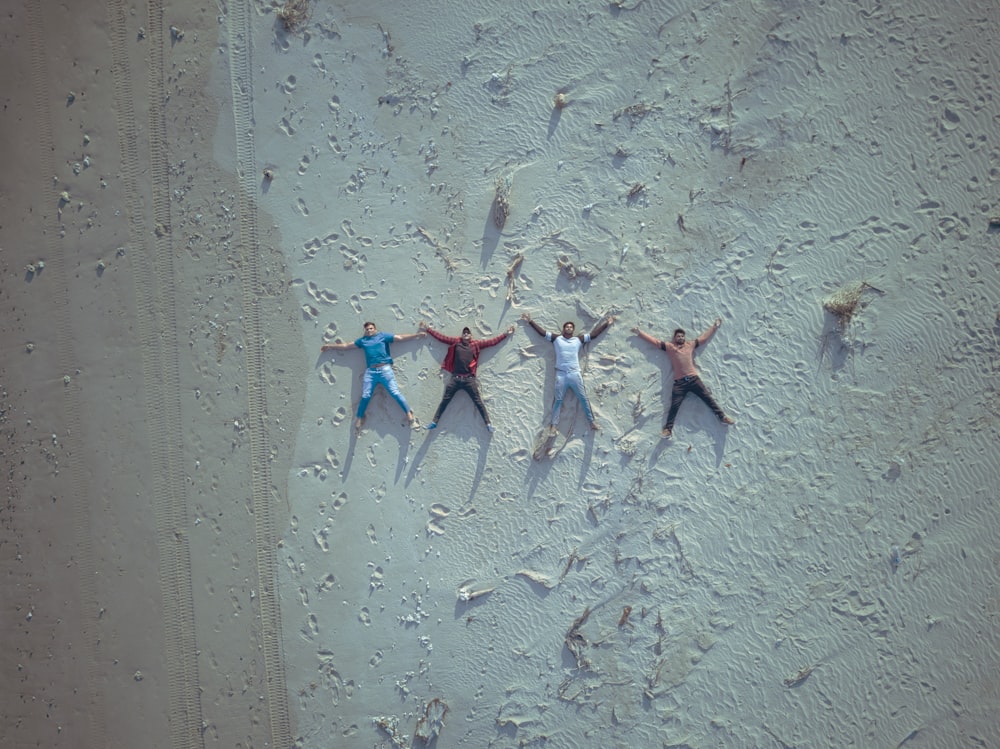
(526, 317)
(422, 325)
(635, 330)
(718, 322)
(510, 330)
(611, 319)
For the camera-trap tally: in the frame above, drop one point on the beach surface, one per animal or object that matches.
(198, 548)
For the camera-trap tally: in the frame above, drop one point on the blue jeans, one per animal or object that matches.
(572, 381)
(385, 377)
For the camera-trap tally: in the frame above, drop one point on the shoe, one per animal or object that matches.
(490, 428)
(432, 425)
(727, 421)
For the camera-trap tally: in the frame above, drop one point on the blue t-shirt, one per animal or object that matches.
(376, 348)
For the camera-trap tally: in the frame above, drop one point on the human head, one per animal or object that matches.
(370, 328)
(466, 334)
(679, 336)
(568, 329)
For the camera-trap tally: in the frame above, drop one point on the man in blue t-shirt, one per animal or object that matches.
(378, 367)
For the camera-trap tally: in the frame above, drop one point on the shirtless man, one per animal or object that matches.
(568, 375)
(378, 370)
(686, 379)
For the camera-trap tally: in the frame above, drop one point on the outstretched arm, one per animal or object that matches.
(707, 335)
(602, 326)
(535, 326)
(647, 337)
(337, 346)
(437, 334)
(401, 337)
(495, 340)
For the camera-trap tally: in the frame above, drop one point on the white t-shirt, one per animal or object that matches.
(567, 351)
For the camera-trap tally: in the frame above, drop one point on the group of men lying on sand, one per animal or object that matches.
(462, 360)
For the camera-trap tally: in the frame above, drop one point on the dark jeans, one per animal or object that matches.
(682, 387)
(469, 385)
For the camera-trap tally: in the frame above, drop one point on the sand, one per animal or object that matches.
(197, 547)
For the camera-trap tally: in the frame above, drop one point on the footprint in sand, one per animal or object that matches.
(326, 374)
(319, 536)
(311, 628)
(365, 616)
(427, 309)
(334, 144)
(326, 584)
(352, 258)
(371, 534)
(311, 247)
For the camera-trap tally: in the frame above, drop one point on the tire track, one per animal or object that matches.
(240, 67)
(152, 263)
(71, 440)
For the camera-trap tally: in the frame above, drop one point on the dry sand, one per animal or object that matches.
(198, 550)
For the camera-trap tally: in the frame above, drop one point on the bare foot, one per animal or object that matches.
(666, 433)
(358, 424)
(593, 425)
(411, 419)
(728, 421)
(552, 430)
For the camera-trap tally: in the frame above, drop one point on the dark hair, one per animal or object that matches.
(367, 323)
(679, 330)
(569, 322)
(466, 330)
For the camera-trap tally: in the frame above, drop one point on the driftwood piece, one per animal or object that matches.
(501, 201)
(576, 643)
(512, 270)
(429, 724)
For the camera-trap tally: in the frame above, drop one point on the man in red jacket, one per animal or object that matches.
(461, 360)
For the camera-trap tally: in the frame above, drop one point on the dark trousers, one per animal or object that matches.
(690, 384)
(469, 385)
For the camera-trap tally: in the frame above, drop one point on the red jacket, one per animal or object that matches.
(476, 346)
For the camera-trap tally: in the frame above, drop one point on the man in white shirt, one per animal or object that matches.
(568, 375)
